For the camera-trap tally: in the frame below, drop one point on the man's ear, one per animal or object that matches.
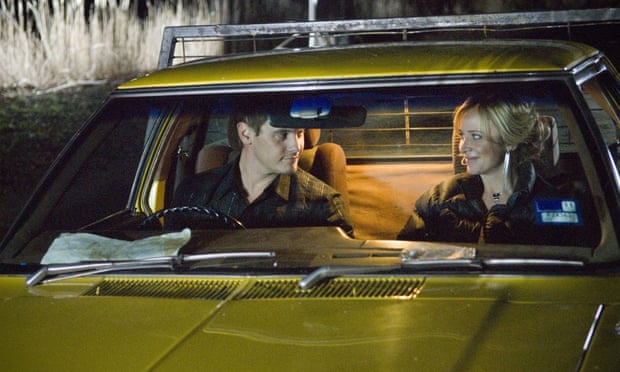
(245, 133)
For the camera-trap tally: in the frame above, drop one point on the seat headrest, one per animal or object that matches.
(550, 152)
(311, 137)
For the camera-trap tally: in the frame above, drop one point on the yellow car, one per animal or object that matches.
(111, 267)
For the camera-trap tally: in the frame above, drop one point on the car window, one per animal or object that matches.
(136, 152)
(403, 148)
(94, 178)
(603, 98)
(102, 187)
(403, 125)
(602, 95)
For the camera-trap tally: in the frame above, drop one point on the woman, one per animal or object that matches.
(499, 138)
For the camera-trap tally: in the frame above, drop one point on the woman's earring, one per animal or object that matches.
(506, 170)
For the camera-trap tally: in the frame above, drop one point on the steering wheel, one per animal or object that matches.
(191, 216)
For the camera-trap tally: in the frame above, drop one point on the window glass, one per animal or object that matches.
(110, 156)
(603, 98)
(405, 147)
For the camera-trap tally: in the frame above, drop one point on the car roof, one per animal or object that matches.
(375, 60)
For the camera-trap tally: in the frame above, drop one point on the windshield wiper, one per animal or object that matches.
(330, 272)
(422, 257)
(50, 273)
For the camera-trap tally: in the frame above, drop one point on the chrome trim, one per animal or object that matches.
(342, 83)
(531, 262)
(590, 335)
(588, 69)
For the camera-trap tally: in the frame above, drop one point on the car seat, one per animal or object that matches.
(326, 161)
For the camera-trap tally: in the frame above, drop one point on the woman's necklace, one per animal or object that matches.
(496, 196)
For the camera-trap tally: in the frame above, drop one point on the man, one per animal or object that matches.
(263, 186)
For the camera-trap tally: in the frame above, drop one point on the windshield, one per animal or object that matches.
(354, 169)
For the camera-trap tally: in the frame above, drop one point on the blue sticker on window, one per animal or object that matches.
(558, 212)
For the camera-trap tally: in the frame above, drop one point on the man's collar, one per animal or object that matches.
(283, 186)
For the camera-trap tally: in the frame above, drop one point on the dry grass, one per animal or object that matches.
(61, 50)
(57, 49)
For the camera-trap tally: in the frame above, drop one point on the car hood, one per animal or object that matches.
(370, 323)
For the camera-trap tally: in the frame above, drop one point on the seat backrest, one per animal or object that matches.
(212, 156)
(326, 161)
(549, 156)
(550, 153)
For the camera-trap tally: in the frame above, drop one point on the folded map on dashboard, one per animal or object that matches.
(78, 247)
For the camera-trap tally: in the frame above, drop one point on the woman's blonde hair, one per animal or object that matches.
(518, 124)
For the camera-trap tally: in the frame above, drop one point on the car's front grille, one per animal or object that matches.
(337, 288)
(270, 288)
(186, 288)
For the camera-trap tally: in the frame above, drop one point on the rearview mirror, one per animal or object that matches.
(318, 112)
(311, 108)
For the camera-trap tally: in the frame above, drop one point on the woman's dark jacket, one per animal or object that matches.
(453, 211)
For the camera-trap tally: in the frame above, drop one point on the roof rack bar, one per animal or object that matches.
(484, 21)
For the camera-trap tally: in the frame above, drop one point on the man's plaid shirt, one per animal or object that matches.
(290, 200)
